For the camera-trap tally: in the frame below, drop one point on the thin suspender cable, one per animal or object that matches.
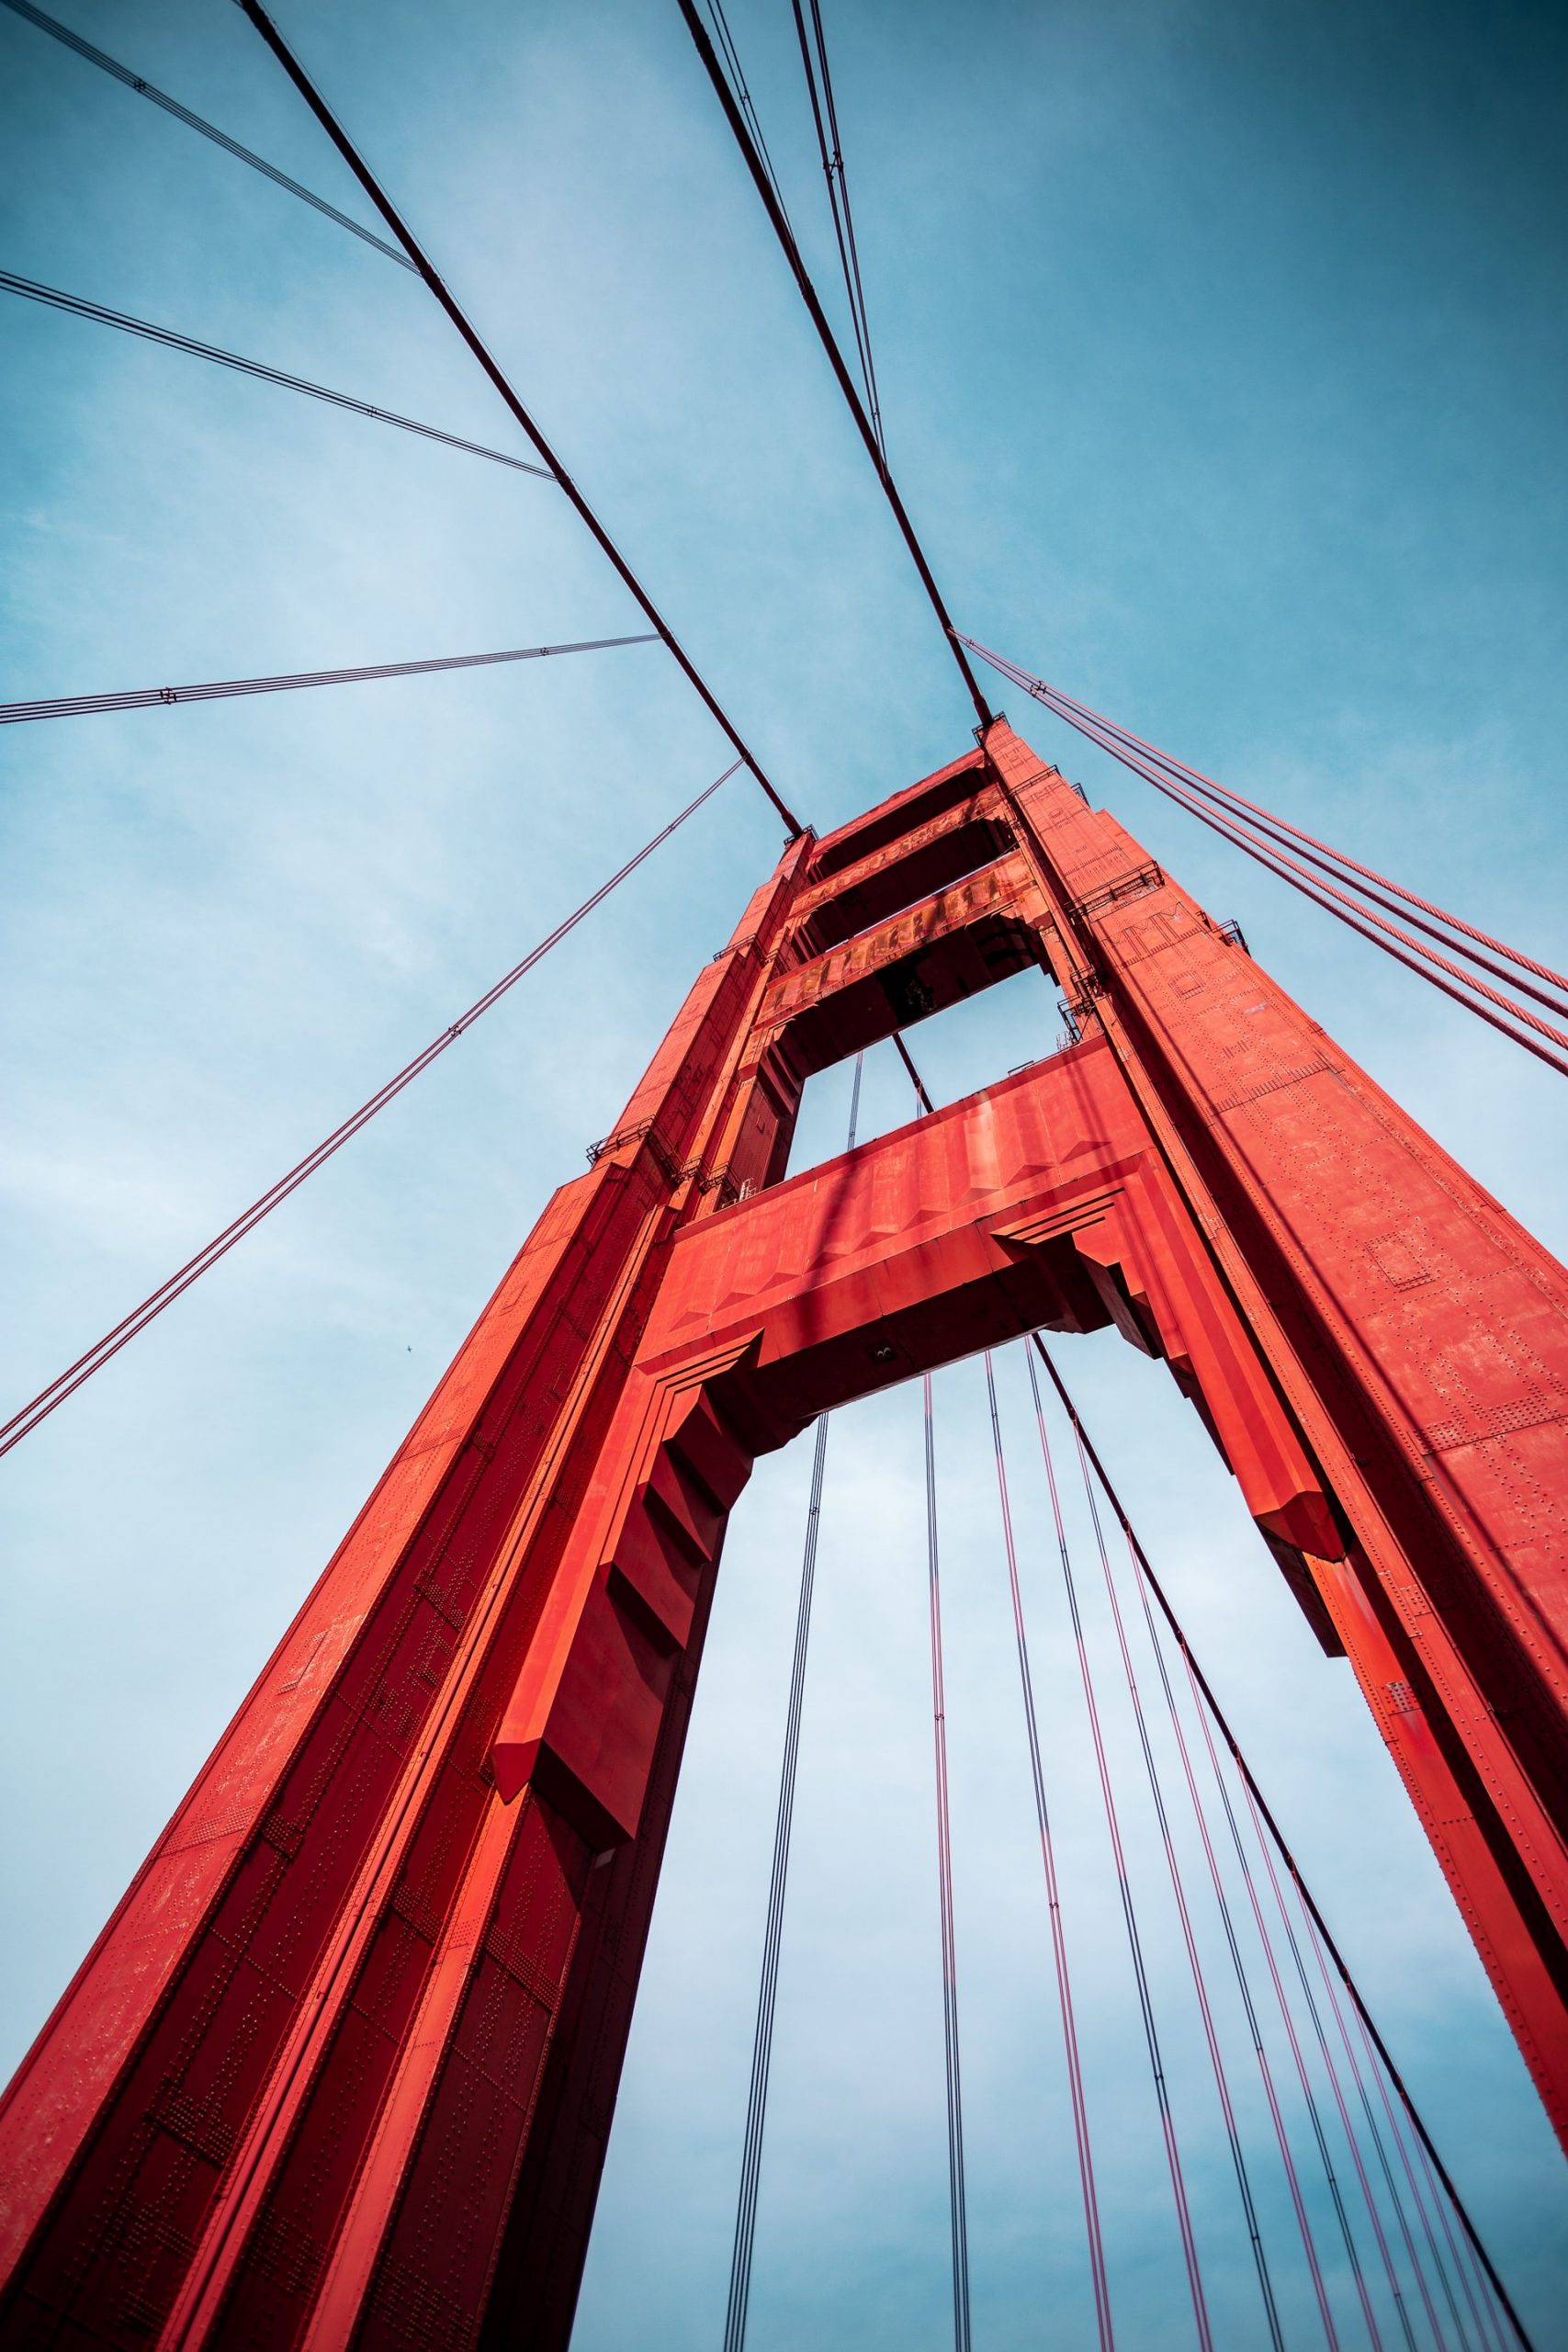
(1224, 1911)
(1320, 1926)
(1422, 961)
(404, 235)
(767, 1997)
(1412, 2251)
(1484, 2317)
(1194, 1962)
(1134, 1943)
(1483, 2336)
(77, 306)
(1072, 710)
(1053, 1905)
(958, 2216)
(829, 340)
(13, 713)
(195, 123)
(825, 115)
(22, 1423)
(1267, 1941)
(738, 2305)
(1332, 2070)
(734, 68)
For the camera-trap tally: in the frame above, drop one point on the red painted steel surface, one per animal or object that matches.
(342, 2067)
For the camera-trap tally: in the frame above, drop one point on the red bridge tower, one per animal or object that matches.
(341, 2068)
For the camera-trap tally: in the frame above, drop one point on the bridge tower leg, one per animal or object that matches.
(341, 2068)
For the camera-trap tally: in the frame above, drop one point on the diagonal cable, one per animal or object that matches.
(458, 318)
(1365, 2019)
(144, 89)
(14, 714)
(79, 307)
(1128, 1913)
(825, 116)
(1247, 834)
(829, 340)
(24, 1420)
(1072, 710)
(1200, 1984)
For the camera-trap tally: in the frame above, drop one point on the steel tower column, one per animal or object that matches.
(341, 2069)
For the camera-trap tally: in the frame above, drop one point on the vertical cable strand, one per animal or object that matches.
(1134, 1945)
(1333, 2074)
(1185, 1753)
(739, 2306)
(1388, 2074)
(1194, 1962)
(1053, 1901)
(1294, 2038)
(957, 2211)
(1359, 2077)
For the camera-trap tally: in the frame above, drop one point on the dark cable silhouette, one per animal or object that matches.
(13, 713)
(22, 1422)
(79, 307)
(829, 343)
(737, 2307)
(1245, 834)
(825, 115)
(145, 89)
(458, 318)
(1211, 1711)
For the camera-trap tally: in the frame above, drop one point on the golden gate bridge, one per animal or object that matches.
(340, 2068)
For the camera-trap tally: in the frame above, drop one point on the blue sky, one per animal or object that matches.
(1222, 353)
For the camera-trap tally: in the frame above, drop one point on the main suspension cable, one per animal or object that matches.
(1368, 2024)
(1224, 793)
(1370, 885)
(825, 115)
(957, 2211)
(22, 1422)
(1422, 962)
(739, 2306)
(1129, 1915)
(916, 1081)
(1244, 835)
(737, 73)
(1098, 2278)
(786, 236)
(195, 122)
(458, 318)
(1270, 849)
(13, 713)
(77, 306)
